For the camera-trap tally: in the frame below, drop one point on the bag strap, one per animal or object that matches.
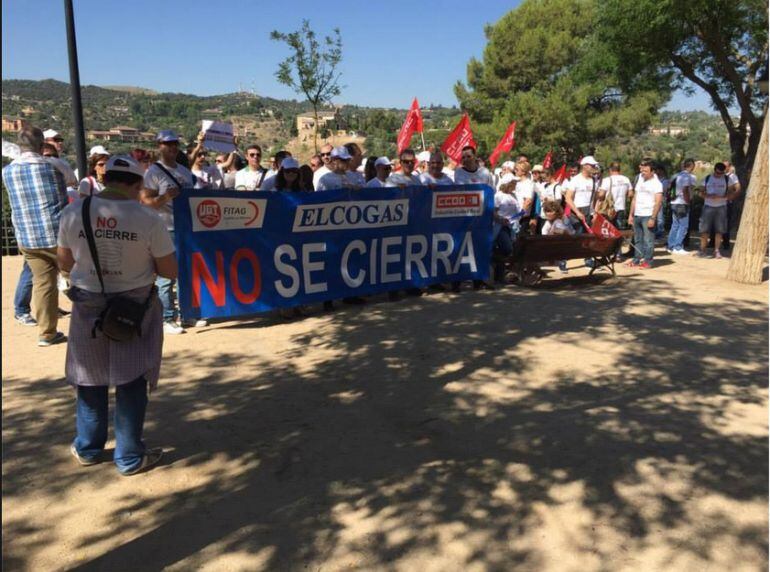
(168, 174)
(91, 186)
(90, 238)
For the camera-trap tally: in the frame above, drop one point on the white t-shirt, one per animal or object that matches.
(357, 178)
(449, 172)
(332, 181)
(525, 190)
(583, 188)
(480, 176)
(128, 237)
(400, 179)
(375, 184)
(683, 180)
(716, 184)
(508, 207)
(732, 179)
(89, 186)
(70, 179)
(548, 192)
(320, 172)
(617, 186)
(248, 180)
(428, 179)
(157, 180)
(208, 178)
(558, 226)
(644, 193)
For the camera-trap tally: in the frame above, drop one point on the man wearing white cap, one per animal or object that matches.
(580, 194)
(383, 167)
(422, 162)
(435, 175)
(339, 177)
(162, 183)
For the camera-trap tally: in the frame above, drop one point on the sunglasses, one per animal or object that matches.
(201, 154)
(326, 154)
(254, 155)
(407, 161)
(101, 164)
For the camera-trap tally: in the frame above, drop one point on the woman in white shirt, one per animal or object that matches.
(93, 184)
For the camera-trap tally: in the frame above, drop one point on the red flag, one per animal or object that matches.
(603, 228)
(412, 123)
(561, 174)
(548, 161)
(505, 144)
(460, 137)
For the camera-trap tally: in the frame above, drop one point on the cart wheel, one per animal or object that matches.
(531, 276)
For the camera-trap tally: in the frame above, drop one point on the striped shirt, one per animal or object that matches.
(37, 195)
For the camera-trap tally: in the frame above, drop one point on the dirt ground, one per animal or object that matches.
(585, 425)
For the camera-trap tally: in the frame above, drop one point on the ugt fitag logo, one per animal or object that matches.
(209, 213)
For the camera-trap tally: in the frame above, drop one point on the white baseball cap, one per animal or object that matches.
(537, 168)
(382, 161)
(50, 134)
(341, 153)
(423, 157)
(589, 160)
(509, 165)
(124, 164)
(508, 178)
(289, 163)
(98, 150)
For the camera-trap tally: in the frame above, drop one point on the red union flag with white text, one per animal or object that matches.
(548, 161)
(412, 123)
(460, 137)
(603, 228)
(505, 144)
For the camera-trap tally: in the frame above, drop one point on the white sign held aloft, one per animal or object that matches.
(218, 136)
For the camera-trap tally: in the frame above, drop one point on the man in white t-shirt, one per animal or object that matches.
(326, 158)
(680, 192)
(339, 177)
(734, 190)
(617, 186)
(435, 175)
(251, 177)
(580, 193)
(714, 216)
(647, 201)
(407, 177)
(162, 183)
(470, 171)
(382, 167)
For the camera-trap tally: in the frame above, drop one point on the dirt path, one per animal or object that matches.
(616, 425)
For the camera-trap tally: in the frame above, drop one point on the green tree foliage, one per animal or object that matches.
(311, 70)
(719, 46)
(545, 67)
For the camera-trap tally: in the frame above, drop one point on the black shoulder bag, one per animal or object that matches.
(121, 319)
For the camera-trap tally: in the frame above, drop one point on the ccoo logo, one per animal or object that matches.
(209, 213)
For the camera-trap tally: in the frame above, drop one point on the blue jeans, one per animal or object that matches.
(23, 295)
(644, 238)
(167, 297)
(92, 420)
(660, 224)
(680, 221)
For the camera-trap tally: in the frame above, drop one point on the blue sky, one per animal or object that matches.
(392, 51)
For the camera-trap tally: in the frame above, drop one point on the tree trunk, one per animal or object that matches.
(748, 257)
(315, 128)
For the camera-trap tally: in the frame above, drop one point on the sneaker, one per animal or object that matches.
(669, 251)
(681, 251)
(718, 255)
(201, 323)
(644, 265)
(63, 313)
(700, 254)
(151, 458)
(172, 328)
(83, 460)
(25, 320)
(58, 338)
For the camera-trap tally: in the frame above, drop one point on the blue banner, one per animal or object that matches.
(244, 252)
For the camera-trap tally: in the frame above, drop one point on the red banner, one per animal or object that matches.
(505, 144)
(412, 123)
(548, 161)
(604, 228)
(460, 137)
(561, 174)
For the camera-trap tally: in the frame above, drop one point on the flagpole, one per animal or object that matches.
(423, 140)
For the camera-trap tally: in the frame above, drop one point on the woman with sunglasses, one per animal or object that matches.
(93, 184)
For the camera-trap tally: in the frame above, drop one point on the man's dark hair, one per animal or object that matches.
(121, 177)
(615, 166)
(647, 163)
(720, 167)
(471, 147)
(280, 156)
(407, 151)
(31, 139)
(254, 146)
(687, 163)
(51, 148)
(353, 148)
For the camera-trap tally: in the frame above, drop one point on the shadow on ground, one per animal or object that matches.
(394, 430)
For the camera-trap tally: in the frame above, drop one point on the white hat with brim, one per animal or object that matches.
(589, 160)
(382, 162)
(124, 164)
(51, 134)
(289, 163)
(341, 153)
(98, 150)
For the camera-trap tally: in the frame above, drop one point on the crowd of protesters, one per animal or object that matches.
(131, 196)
